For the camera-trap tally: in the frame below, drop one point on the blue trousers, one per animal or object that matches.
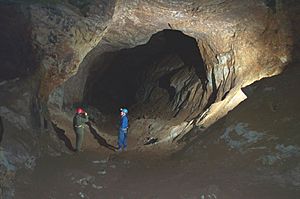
(122, 139)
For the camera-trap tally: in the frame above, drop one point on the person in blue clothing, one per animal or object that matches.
(122, 138)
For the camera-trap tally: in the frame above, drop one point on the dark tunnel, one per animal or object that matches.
(141, 76)
(16, 51)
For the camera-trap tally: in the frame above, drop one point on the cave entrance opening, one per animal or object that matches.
(148, 79)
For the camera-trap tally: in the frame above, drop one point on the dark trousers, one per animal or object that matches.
(79, 137)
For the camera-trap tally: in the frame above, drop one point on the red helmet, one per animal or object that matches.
(80, 110)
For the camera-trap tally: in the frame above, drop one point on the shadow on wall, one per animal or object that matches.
(16, 52)
(1, 130)
(62, 136)
(100, 140)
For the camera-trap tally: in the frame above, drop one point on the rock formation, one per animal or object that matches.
(177, 65)
(221, 47)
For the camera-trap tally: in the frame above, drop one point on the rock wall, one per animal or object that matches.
(262, 130)
(240, 42)
(15, 39)
(249, 31)
(61, 42)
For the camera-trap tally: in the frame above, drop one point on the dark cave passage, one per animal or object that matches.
(148, 77)
(16, 51)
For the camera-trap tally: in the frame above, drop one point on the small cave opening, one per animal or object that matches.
(153, 80)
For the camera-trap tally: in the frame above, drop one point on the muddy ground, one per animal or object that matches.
(131, 175)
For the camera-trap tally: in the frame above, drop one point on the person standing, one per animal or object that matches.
(122, 138)
(79, 121)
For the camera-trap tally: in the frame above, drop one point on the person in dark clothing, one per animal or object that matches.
(79, 121)
(122, 138)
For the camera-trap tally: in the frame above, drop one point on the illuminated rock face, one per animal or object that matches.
(204, 52)
(67, 48)
(246, 37)
(239, 42)
(222, 46)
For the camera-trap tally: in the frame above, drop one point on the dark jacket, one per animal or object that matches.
(79, 120)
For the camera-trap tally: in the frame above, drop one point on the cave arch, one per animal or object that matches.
(131, 77)
(173, 88)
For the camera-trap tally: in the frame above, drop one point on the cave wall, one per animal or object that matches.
(294, 16)
(255, 39)
(60, 43)
(64, 35)
(261, 132)
(16, 51)
(240, 42)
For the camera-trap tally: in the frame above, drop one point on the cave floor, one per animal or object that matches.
(131, 175)
(212, 170)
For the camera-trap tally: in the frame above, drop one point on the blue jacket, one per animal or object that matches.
(124, 122)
